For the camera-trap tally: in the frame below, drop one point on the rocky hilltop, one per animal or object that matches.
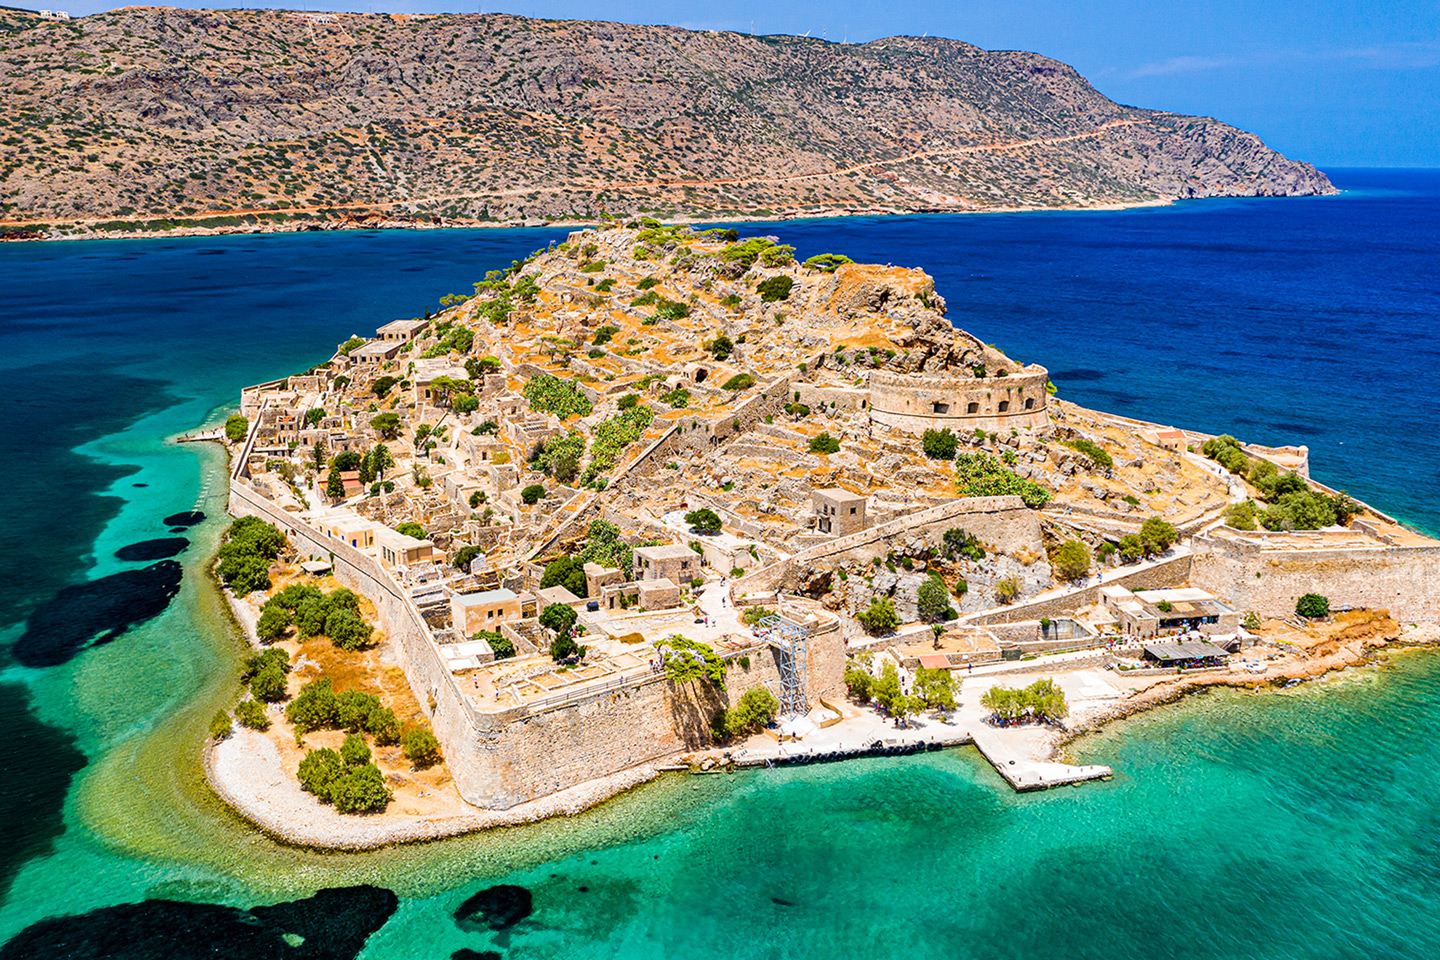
(150, 118)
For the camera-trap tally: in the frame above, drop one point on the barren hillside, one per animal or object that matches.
(238, 117)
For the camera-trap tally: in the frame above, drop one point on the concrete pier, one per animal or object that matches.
(1012, 757)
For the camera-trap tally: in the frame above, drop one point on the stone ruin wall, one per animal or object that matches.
(1004, 524)
(1403, 580)
(1174, 572)
(907, 402)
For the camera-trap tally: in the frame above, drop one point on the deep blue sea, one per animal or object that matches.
(1296, 825)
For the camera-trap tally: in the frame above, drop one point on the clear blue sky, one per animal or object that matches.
(1335, 82)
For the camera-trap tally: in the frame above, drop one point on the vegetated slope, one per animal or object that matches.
(151, 113)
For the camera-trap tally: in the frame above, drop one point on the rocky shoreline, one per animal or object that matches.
(45, 232)
(1356, 653)
(244, 770)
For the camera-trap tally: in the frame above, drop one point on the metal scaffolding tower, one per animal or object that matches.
(790, 639)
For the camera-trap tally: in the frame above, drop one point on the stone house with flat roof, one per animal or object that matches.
(838, 511)
(674, 562)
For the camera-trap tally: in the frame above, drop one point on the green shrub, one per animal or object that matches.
(755, 709)
(236, 427)
(689, 660)
(1225, 450)
(532, 494)
(354, 751)
(353, 709)
(220, 726)
(314, 707)
(268, 684)
(1094, 451)
(858, 682)
(1007, 590)
(827, 262)
(605, 334)
(824, 443)
(880, 617)
(981, 475)
(548, 394)
(383, 726)
(741, 381)
(273, 622)
(250, 545)
(421, 748)
(1242, 516)
(775, 288)
(677, 398)
(721, 347)
(933, 599)
(558, 617)
(251, 714)
(1312, 606)
(939, 444)
(361, 790)
(1157, 535)
(703, 520)
(319, 769)
(1071, 560)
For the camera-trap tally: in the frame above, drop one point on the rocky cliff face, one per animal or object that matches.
(246, 115)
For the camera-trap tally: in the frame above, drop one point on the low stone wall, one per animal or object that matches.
(1403, 580)
(1167, 573)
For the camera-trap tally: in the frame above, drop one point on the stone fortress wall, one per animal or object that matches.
(505, 758)
(916, 403)
(1402, 579)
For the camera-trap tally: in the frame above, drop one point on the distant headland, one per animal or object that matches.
(150, 121)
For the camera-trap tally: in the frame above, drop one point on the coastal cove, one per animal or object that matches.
(1168, 314)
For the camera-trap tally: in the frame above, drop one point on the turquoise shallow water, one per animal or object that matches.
(1240, 825)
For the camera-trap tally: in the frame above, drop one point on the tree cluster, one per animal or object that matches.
(564, 398)
(1071, 560)
(347, 779)
(688, 660)
(1042, 701)
(754, 711)
(318, 707)
(265, 674)
(1156, 536)
(567, 572)
(703, 520)
(939, 444)
(880, 617)
(314, 612)
(236, 427)
(250, 546)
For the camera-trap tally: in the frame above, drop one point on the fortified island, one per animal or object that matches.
(658, 498)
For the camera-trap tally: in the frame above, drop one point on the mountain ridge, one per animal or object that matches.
(155, 117)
